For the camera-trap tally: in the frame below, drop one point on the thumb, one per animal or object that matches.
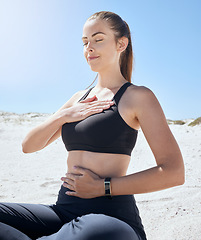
(91, 99)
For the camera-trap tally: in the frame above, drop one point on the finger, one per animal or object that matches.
(102, 102)
(97, 103)
(72, 193)
(72, 176)
(85, 171)
(67, 180)
(66, 185)
(89, 99)
(94, 109)
(64, 179)
(104, 105)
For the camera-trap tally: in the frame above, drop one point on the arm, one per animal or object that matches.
(169, 170)
(47, 132)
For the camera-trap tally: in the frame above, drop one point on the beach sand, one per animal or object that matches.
(35, 178)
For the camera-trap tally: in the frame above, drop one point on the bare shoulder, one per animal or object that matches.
(141, 93)
(146, 108)
(141, 98)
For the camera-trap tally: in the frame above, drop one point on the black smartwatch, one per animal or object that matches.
(107, 187)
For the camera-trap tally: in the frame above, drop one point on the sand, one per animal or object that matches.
(35, 178)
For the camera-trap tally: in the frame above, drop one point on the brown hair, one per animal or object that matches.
(120, 28)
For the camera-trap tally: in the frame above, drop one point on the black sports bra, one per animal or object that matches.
(104, 132)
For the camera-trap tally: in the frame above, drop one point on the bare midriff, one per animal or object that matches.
(102, 164)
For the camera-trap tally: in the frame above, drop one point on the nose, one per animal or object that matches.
(89, 47)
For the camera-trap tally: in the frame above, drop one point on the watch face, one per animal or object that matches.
(107, 188)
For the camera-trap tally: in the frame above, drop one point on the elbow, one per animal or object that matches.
(27, 148)
(178, 176)
(175, 172)
(25, 151)
(24, 148)
(181, 173)
(181, 180)
(173, 175)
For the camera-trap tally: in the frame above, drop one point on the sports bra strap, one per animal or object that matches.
(86, 94)
(120, 92)
(116, 97)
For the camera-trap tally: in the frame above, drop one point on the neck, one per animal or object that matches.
(110, 78)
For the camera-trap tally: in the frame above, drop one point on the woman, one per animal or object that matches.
(99, 129)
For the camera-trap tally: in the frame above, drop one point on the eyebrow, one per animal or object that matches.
(94, 34)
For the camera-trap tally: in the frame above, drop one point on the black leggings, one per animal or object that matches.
(72, 218)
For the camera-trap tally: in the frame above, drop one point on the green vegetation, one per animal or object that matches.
(177, 122)
(197, 121)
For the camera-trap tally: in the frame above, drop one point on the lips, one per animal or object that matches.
(92, 58)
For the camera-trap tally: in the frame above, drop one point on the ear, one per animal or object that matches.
(122, 44)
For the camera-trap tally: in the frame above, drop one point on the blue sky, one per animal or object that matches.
(41, 52)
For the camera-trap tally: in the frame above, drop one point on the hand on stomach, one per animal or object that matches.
(87, 170)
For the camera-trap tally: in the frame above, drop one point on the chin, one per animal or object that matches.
(95, 68)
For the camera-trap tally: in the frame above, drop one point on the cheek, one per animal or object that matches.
(110, 55)
(109, 50)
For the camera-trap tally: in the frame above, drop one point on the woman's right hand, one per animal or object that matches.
(47, 132)
(85, 108)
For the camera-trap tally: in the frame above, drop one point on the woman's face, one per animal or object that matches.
(100, 48)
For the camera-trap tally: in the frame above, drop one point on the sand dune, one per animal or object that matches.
(35, 178)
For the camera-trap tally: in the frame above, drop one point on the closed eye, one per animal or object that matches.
(96, 41)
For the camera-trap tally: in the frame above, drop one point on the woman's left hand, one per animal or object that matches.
(84, 183)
